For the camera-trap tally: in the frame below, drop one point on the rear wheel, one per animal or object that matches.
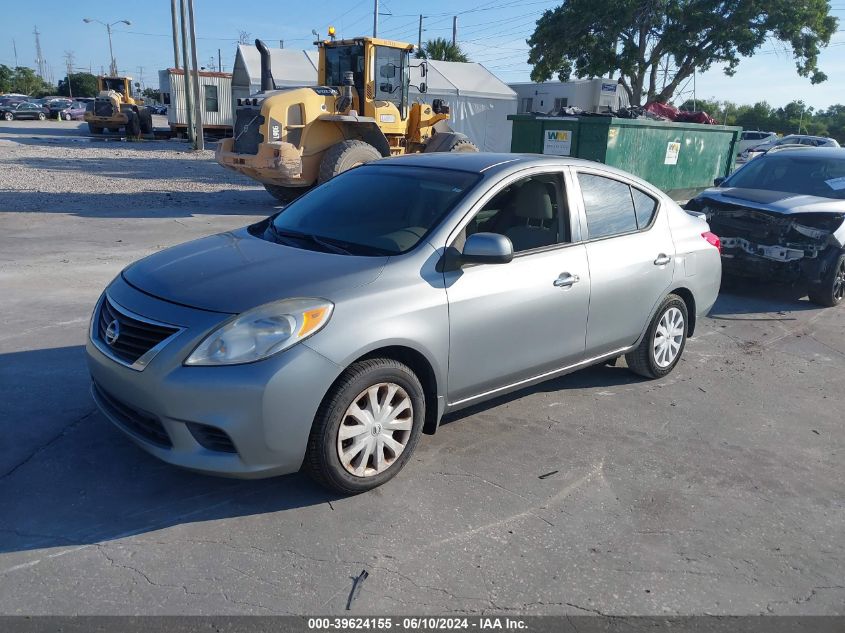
(8, 116)
(66, 117)
(146, 121)
(95, 129)
(664, 342)
(367, 427)
(133, 125)
(42, 116)
(830, 291)
(463, 145)
(343, 156)
(285, 194)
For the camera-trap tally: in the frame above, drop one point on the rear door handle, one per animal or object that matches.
(662, 260)
(566, 280)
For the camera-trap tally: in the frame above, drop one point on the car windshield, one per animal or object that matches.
(799, 172)
(373, 210)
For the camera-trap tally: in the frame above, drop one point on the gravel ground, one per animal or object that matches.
(716, 490)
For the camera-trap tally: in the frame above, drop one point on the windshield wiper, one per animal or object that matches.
(316, 239)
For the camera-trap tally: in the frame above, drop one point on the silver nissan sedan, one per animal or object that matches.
(330, 335)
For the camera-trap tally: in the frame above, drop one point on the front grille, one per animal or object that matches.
(142, 424)
(135, 337)
(248, 130)
(212, 438)
(103, 107)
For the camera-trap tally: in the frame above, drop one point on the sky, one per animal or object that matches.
(492, 32)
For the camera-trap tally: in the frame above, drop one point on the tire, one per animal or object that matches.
(385, 378)
(650, 358)
(830, 291)
(463, 145)
(343, 156)
(285, 194)
(133, 125)
(8, 116)
(146, 121)
(66, 117)
(42, 116)
(95, 129)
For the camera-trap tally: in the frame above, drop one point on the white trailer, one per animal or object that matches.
(215, 100)
(591, 95)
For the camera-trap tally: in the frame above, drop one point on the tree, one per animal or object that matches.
(634, 37)
(151, 93)
(7, 79)
(442, 50)
(81, 84)
(25, 81)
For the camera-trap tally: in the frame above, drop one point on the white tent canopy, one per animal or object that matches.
(290, 68)
(479, 101)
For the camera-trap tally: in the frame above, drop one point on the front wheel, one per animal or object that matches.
(42, 116)
(664, 342)
(8, 116)
(133, 125)
(66, 117)
(94, 129)
(831, 290)
(367, 426)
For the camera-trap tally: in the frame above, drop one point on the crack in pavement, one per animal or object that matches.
(65, 430)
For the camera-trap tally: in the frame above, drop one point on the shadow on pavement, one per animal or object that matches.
(74, 479)
(751, 296)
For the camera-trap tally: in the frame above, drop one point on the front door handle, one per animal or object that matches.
(662, 260)
(566, 280)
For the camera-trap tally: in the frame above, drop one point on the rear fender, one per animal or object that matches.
(443, 141)
(356, 128)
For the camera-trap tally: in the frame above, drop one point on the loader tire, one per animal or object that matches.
(95, 129)
(133, 125)
(146, 121)
(463, 145)
(285, 194)
(343, 156)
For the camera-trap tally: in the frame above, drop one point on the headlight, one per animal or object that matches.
(262, 332)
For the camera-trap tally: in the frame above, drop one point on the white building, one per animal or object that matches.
(591, 95)
(215, 99)
(290, 68)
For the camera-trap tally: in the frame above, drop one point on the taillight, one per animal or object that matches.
(713, 240)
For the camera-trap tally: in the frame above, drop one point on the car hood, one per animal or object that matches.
(773, 201)
(235, 271)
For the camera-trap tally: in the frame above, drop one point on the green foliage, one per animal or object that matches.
(81, 84)
(633, 38)
(23, 80)
(442, 50)
(788, 119)
(151, 93)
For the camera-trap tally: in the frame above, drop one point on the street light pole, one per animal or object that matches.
(113, 67)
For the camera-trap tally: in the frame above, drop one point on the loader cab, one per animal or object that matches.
(380, 70)
(121, 85)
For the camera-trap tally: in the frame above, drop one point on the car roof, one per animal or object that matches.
(811, 152)
(488, 162)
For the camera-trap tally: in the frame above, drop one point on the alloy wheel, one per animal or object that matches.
(839, 282)
(375, 429)
(668, 338)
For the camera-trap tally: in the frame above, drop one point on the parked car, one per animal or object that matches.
(157, 109)
(23, 110)
(56, 106)
(331, 333)
(792, 139)
(782, 217)
(753, 138)
(74, 112)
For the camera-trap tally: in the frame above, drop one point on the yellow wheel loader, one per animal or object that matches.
(295, 138)
(116, 107)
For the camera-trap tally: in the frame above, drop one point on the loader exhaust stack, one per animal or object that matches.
(267, 82)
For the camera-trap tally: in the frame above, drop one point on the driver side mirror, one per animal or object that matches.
(717, 182)
(487, 248)
(422, 88)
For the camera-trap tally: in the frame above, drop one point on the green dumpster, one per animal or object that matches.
(679, 158)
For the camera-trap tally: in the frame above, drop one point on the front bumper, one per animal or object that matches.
(265, 408)
(119, 118)
(275, 163)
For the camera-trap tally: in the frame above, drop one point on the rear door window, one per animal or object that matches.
(608, 205)
(645, 207)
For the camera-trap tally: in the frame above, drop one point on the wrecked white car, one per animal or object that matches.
(782, 218)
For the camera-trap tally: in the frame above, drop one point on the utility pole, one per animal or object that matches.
(281, 43)
(69, 62)
(189, 102)
(219, 61)
(419, 36)
(39, 58)
(15, 48)
(173, 21)
(375, 18)
(199, 138)
(141, 76)
(454, 30)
